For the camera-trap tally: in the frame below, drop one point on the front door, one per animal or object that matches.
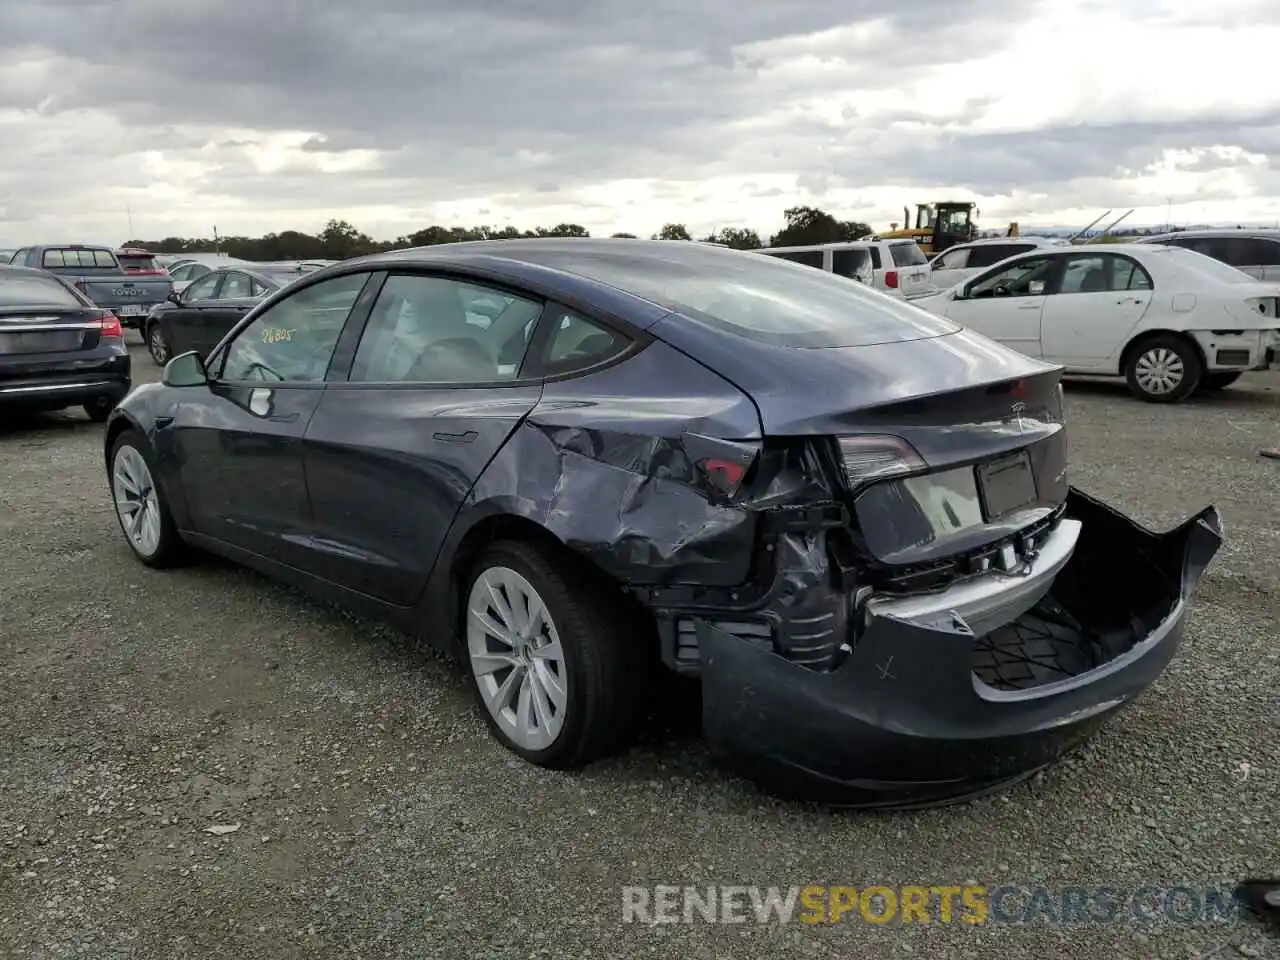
(1093, 309)
(1005, 304)
(238, 442)
(433, 392)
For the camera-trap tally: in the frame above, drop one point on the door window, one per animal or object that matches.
(1026, 278)
(907, 254)
(988, 255)
(438, 330)
(1128, 274)
(855, 264)
(258, 288)
(954, 259)
(235, 285)
(201, 289)
(1266, 253)
(1085, 275)
(293, 340)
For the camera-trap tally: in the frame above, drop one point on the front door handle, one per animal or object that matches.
(284, 417)
(162, 422)
(1028, 306)
(466, 437)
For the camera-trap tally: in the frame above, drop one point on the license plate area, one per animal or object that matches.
(1006, 485)
(133, 310)
(55, 341)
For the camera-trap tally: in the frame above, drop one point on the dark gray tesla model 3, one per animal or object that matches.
(574, 460)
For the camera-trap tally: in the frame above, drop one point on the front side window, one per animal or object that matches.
(439, 330)
(991, 254)
(808, 258)
(1265, 253)
(1085, 275)
(293, 340)
(1026, 278)
(954, 260)
(201, 289)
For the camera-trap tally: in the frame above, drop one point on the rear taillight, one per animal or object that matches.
(877, 456)
(109, 327)
(891, 279)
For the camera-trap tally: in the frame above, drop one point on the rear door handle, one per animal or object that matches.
(466, 437)
(162, 422)
(1029, 306)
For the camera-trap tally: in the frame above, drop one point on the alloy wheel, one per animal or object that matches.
(137, 502)
(156, 345)
(1159, 371)
(516, 658)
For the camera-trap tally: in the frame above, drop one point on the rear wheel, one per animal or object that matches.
(1219, 381)
(1163, 369)
(140, 503)
(98, 410)
(156, 345)
(559, 668)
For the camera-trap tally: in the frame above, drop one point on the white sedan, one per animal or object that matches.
(1168, 320)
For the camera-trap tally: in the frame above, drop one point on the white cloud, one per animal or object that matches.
(1050, 117)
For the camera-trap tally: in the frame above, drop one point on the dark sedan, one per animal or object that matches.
(572, 461)
(58, 349)
(201, 314)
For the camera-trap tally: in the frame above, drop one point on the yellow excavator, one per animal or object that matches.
(940, 225)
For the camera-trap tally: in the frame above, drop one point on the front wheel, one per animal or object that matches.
(559, 668)
(156, 345)
(1163, 369)
(140, 503)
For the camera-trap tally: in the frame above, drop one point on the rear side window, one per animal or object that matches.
(29, 291)
(235, 285)
(989, 255)
(953, 260)
(1128, 274)
(809, 258)
(578, 342)
(137, 263)
(855, 264)
(1266, 253)
(88, 259)
(908, 254)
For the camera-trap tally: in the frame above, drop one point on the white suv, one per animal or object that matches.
(895, 267)
(957, 264)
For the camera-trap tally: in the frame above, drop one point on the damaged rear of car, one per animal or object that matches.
(883, 580)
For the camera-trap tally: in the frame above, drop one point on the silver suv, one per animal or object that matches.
(1256, 252)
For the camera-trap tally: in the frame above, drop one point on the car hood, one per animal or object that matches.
(811, 391)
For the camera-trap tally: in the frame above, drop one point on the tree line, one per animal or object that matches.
(340, 240)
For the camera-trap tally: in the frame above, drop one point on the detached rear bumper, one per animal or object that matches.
(924, 711)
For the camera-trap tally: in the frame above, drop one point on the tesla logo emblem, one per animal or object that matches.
(1017, 410)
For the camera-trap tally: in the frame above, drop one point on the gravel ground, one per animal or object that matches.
(377, 818)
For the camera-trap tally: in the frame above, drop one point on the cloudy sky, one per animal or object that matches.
(623, 115)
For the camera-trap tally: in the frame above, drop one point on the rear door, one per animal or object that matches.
(433, 391)
(1005, 303)
(1093, 309)
(912, 266)
(237, 443)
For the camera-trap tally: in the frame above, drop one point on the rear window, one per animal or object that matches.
(68, 257)
(137, 263)
(1207, 266)
(908, 254)
(757, 297)
(24, 290)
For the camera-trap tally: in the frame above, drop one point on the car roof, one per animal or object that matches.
(1264, 233)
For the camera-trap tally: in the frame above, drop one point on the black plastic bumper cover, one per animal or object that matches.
(903, 721)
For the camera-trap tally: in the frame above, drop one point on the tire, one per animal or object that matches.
(98, 412)
(1163, 369)
(159, 544)
(602, 669)
(1218, 381)
(156, 345)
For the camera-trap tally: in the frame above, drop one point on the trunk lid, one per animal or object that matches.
(28, 332)
(126, 296)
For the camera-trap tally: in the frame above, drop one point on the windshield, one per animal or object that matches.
(35, 291)
(758, 297)
(139, 263)
(1207, 266)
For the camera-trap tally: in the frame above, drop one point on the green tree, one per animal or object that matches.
(738, 238)
(673, 231)
(807, 226)
(623, 236)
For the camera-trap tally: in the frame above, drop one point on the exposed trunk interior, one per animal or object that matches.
(1121, 583)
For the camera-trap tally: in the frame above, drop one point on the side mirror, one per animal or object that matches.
(175, 298)
(185, 370)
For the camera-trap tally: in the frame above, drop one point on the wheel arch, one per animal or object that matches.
(1139, 339)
